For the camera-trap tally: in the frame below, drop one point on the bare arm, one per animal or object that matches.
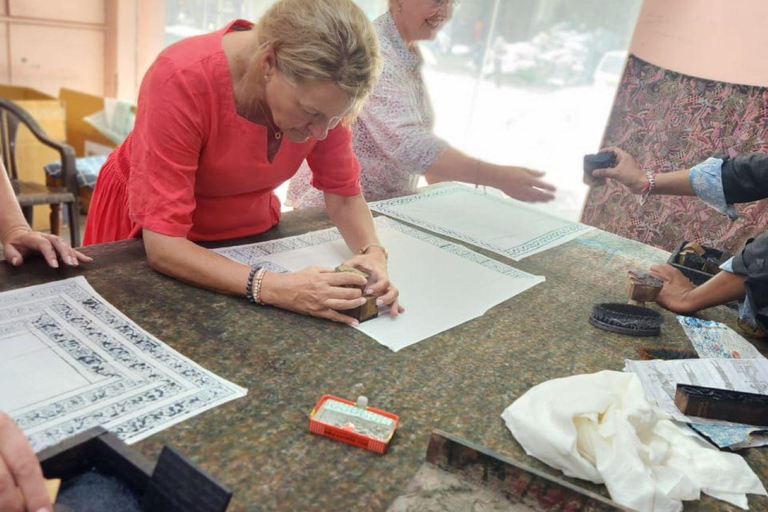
(353, 219)
(18, 239)
(629, 173)
(680, 295)
(311, 291)
(518, 182)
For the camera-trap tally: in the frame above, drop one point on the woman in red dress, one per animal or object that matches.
(223, 119)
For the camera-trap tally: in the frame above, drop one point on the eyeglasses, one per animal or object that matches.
(445, 3)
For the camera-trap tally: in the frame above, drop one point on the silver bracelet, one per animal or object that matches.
(649, 190)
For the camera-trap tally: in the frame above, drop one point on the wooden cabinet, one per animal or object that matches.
(47, 45)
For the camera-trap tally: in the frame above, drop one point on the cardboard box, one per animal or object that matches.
(31, 155)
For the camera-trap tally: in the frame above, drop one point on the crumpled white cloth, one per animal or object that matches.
(601, 428)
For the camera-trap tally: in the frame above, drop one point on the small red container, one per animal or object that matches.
(348, 436)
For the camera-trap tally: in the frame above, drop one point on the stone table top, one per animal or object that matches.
(458, 381)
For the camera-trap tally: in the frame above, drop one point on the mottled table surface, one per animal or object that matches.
(458, 381)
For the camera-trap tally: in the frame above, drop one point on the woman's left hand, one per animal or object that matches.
(374, 263)
(22, 242)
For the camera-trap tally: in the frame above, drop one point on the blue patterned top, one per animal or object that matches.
(707, 181)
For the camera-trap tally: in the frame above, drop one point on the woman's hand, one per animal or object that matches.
(315, 291)
(20, 468)
(374, 263)
(675, 294)
(626, 171)
(523, 184)
(23, 241)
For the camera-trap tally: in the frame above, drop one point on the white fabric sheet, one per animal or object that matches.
(441, 284)
(600, 427)
(502, 225)
(70, 361)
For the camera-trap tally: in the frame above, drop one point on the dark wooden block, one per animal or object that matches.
(722, 404)
(369, 309)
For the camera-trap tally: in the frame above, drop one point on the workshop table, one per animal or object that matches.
(458, 381)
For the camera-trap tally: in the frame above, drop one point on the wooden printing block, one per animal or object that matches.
(642, 287)
(369, 309)
(722, 404)
(695, 247)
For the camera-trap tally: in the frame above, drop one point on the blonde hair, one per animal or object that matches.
(322, 40)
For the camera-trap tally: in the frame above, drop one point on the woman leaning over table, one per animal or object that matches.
(393, 136)
(223, 119)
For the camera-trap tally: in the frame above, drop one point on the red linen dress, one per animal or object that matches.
(193, 167)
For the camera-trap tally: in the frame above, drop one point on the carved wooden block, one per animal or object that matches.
(642, 287)
(369, 309)
(722, 404)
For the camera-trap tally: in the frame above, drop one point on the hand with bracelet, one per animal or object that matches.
(630, 174)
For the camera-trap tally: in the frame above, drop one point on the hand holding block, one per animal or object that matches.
(369, 309)
(642, 287)
(722, 404)
(602, 160)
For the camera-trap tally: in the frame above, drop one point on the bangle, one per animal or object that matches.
(648, 189)
(363, 250)
(257, 287)
(249, 284)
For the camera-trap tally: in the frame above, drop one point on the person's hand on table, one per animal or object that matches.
(20, 468)
(374, 263)
(314, 291)
(23, 241)
(674, 294)
(523, 184)
(626, 171)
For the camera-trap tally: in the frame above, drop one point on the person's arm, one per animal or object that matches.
(20, 470)
(312, 291)
(629, 173)
(517, 182)
(355, 223)
(679, 295)
(18, 239)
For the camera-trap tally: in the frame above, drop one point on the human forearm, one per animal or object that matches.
(680, 295)
(353, 219)
(11, 218)
(518, 182)
(629, 173)
(186, 261)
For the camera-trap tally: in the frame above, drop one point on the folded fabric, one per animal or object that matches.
(601, 428)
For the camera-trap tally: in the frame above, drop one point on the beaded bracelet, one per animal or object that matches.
(257, 288)
(249, 283)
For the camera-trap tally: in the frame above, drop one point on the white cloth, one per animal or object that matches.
(601, 428)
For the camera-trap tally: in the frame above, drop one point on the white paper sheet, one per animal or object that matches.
(502, 225)
(441, 284)
(70, 361)
(660, 379)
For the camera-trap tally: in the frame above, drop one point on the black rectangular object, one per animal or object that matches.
(174, 484)
(178, 486)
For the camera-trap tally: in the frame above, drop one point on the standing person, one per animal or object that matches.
(393, 136)
(720, 182)
(223, 119)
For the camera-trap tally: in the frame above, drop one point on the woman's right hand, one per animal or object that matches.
(315, 291)
(19, 467)
(626, 171)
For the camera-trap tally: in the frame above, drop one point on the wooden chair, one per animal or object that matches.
(30, 194)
